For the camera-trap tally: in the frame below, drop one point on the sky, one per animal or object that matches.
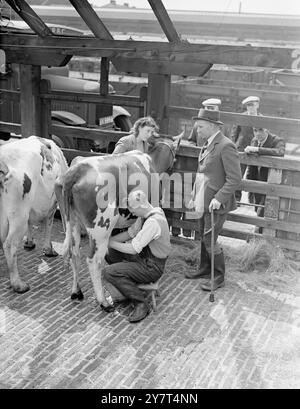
(247, 6)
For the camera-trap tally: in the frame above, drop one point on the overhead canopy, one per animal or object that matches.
(173, 56)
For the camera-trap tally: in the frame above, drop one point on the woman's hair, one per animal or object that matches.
(145, 121)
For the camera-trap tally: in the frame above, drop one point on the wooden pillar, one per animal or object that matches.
(159, 86)
(30, 102)
(45, 88)
(103, 110)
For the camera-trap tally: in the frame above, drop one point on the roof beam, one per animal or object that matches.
(30, 17)
(164, 52)
(164, 20)
(90, 17)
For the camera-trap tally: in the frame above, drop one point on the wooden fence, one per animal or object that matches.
(282, 207)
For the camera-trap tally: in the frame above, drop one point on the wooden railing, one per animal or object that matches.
(281, 221)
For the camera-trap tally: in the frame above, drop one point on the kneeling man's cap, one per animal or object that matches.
(250, 100)
(208, 115)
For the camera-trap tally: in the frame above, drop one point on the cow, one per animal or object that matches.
(84, 201)
(29, 168)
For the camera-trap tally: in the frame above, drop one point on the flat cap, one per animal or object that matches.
(212, 103)
(250, 99)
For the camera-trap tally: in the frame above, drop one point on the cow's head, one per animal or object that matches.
(163, 152)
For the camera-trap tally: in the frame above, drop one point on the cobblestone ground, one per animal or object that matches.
(248, 338)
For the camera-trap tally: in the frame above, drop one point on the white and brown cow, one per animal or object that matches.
(29, 168)
(84, 201)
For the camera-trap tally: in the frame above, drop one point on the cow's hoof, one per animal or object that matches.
(77, 296)
(29, 245)
(21, 288)
(50, 253)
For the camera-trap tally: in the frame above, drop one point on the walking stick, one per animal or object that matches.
(212, 264)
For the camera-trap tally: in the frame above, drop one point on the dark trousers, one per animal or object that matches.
(238, 193)
(126, 271)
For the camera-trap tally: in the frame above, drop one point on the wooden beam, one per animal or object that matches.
(90, 17)
(30, 17)
(37, 57)
(277, 57)
(157, 66)
(30, 103)
(164, 20)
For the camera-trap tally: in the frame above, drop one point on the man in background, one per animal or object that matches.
(242, 135)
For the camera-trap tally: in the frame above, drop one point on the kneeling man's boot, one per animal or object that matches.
(219, 274)
(140, 311)
(204, 270)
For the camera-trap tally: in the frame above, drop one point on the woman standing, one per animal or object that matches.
(139, 136)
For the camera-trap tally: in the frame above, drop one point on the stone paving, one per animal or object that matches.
(248, 338)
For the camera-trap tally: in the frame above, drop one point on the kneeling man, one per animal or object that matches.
(141, 260)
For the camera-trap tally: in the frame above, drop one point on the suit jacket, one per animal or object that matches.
(273, 146)
(128, 143)
(241, 135)
(220, 165)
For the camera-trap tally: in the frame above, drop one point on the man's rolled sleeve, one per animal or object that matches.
(135, 228)
(151, 230)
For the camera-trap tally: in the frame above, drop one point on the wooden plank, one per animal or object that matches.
(240, 93)
(277, 57)
(128, 100)
(92, 20)
(164, 20)
(286, 244)
(30, 102)
(246, 219)
(27, 14)
(87, 133)
(37, 57)
(268, 122)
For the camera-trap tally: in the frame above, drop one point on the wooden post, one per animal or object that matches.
(272, 202)
(45, 88)
(103, 110)
(143, 98)
(159, 86)
(30, 102)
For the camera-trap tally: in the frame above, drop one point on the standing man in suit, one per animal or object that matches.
(263, 143)
(242, 135)
(218, 176)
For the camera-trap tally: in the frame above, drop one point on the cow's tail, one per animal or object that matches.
(3, 174)
(67, 203)
(67, 244)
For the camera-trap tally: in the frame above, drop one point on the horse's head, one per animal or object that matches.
(163, 151)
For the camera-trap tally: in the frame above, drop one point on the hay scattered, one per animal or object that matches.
(263, 255)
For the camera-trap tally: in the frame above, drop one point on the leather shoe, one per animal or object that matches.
(140, 311)
(107, 308)
(193, 275)
(218, 282)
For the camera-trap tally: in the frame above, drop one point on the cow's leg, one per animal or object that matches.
(48, 250)
(10, 246)
(95, 264)
(75, 263)
(29, 243)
